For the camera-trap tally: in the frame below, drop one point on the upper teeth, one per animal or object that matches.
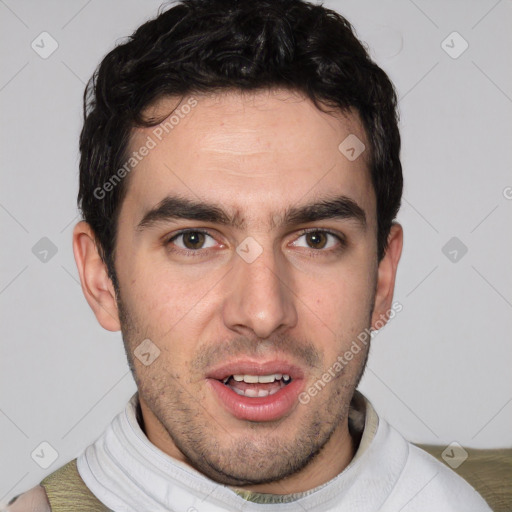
(253, 379)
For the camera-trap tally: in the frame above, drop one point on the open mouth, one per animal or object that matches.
(257, 391)
(255, 386)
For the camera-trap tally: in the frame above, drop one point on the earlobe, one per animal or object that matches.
(96, 284)
(386, 277)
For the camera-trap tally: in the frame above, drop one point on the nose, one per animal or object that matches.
(260, 296)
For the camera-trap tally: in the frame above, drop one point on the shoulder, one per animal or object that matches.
(35, 500)
(427, 484)
(63, 489)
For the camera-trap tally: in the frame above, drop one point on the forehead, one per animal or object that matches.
(254, 153)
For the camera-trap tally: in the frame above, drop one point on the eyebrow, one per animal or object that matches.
(176, 207)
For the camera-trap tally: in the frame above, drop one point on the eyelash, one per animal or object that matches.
(200, 252)
(321, 252)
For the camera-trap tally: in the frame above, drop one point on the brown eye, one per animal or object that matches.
(192, 240)
(317, 239)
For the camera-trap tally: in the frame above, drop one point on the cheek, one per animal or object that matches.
(341, 305)
(156, 292)
(171, 312)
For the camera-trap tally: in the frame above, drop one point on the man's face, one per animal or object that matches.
(246, 292)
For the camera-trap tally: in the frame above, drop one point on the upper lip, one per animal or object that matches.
(251, 367)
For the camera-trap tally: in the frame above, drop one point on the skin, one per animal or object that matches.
(303, 302)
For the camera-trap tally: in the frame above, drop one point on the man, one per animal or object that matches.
(239, 181)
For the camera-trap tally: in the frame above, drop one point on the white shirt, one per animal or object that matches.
(388, 474)
(126, 472)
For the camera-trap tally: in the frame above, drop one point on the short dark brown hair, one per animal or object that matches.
(200, 46)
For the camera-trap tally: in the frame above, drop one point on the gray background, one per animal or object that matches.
(439, 372)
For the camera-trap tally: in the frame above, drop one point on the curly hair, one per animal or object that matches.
(204, 46)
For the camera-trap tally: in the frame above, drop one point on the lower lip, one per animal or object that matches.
(265, 408)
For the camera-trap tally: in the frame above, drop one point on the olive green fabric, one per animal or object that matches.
(67, 491)
(488, 471)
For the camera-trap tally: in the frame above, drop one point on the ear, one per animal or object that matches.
(386, 277)
(96, 285)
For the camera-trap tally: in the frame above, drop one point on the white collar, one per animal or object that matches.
(129, 474)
